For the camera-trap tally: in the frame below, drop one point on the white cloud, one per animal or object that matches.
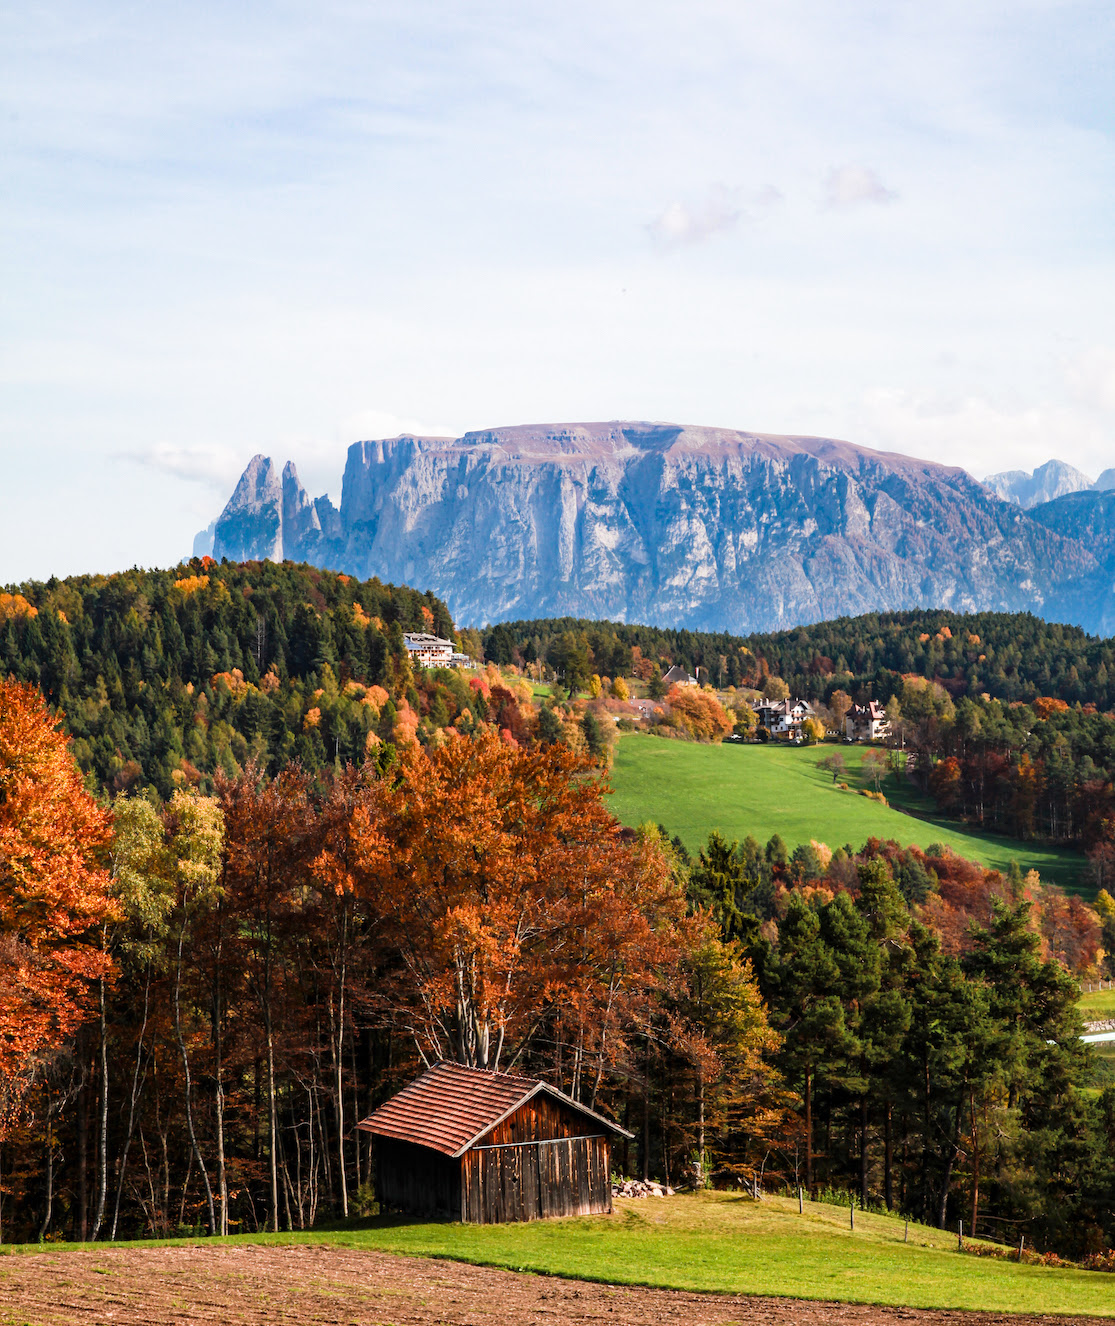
(768, 196)
(980, 435)
(371, 425)
(226, 238)
(1091, 379)
(849, 186)
(684, 223)
(216, 467)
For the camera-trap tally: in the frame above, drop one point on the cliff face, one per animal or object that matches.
(1089, 519)
(273, 519)
(700, 527)
(1049, 481)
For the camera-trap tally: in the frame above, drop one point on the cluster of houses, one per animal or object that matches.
(781, 718)
(784, 718)
(431, 651)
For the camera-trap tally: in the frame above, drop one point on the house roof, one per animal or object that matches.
(786, 707)
(450, 1107)
(677, 673)
(423, 640)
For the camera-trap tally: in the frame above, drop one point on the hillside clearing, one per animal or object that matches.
(714, 1242)
(693, 789)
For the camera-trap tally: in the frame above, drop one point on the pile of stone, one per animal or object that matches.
(1106, 1024)
(640, 1188)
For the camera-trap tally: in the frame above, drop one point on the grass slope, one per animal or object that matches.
(693, 789)
(727, 1243)
(1097, 1005)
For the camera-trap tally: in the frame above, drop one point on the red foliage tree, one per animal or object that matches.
(511, 900)
(54, 891)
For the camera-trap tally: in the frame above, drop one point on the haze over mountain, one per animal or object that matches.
(703, 527)
(1045, 484)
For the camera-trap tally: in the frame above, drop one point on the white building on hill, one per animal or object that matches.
(783, 718)
(428, 651)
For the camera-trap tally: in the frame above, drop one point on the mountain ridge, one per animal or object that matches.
(1047, 483)
(640, 520)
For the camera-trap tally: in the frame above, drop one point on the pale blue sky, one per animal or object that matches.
(229, 228)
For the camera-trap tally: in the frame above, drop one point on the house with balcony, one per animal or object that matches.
(428, 651)
(866, 722)
(783, 718)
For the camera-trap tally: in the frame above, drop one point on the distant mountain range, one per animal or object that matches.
(1045, 484)
(700, 527)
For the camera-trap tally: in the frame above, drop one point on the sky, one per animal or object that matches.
(230, 228)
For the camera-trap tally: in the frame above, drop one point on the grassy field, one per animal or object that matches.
(728, 1243)
(693, 789)
(1097, 1005)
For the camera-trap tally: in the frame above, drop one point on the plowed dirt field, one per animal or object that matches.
(332, 1286)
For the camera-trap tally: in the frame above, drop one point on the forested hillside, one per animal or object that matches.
(1010, 656)
(201, 990)
(198, 1000)
(165, 677)
(1007, 717)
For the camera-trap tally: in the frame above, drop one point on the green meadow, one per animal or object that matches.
(731, 1244)
(1098, 1004)
(694, 788)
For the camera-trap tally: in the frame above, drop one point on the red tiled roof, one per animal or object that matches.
(450, 1106)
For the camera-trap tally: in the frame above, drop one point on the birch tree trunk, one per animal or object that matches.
(274, 1120)
(102, 1145)
(975, 1165)
(700, 1128)
(189, 1085)
(48, 1210)
(222, 1175)
(338, 1059)
(133, 1101)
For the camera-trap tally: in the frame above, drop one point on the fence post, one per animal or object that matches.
(906, 1235)
(960, 1236)
(852, 1215)
(1021, 1245)
(801, 1203)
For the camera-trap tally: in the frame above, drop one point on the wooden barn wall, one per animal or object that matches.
(540, 1118)
(417, 1180)
(569, 1176)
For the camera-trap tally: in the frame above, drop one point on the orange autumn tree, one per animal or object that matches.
(54, 892)
(512, 901)
(698, 714)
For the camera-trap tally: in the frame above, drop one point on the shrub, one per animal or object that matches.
(1100, 1261)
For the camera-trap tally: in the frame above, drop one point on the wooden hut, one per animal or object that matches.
(490, 1147)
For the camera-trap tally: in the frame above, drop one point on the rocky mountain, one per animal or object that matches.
(1053, 479)
(1089, 519)
(662, 523)
(272, 518)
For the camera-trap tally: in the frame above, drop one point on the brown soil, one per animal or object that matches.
(331, 1286)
